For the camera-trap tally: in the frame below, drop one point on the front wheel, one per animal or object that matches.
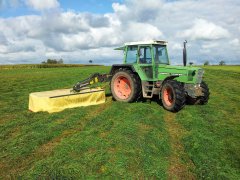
(173, 95)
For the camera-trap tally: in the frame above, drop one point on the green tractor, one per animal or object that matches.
(146, 71)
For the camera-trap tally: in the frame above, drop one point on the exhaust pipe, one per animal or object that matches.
(184, 53)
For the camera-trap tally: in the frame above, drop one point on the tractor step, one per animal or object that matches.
(147, 88)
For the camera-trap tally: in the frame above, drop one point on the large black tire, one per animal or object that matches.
(173, 95)
(201, 100)
(129, 80)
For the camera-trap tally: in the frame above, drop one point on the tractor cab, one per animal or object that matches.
(146, 56)
(145, 52)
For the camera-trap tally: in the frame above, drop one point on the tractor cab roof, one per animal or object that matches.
(160, 42)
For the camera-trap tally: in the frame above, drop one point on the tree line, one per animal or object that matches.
(53, 61)
(56, 61)
(221, 63)
(206, 63)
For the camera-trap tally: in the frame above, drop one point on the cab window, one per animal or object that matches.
(131, 54)
(160, 54)
(145, 56)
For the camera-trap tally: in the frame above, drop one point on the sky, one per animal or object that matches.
(77, 31)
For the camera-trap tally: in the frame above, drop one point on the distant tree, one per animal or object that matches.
(206, 63)
(221, 63)
(90, 61)
(53, 61)
(60, 61)
(190, 63)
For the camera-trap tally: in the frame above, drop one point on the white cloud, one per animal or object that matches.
(3, 49)
(42, 4)
(205, 30)
(210, 45)
(119, 7)
(235, 42)
(135, 31)
(176, 46)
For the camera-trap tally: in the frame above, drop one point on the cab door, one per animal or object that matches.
(145, 61)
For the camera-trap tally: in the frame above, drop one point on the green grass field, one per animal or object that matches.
(140, 140)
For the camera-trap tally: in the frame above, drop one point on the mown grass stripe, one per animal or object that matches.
(178, 169)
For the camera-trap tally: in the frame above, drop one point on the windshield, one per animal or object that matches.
(160, 54)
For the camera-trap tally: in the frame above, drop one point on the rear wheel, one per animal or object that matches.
(125, 86)
(173, 95)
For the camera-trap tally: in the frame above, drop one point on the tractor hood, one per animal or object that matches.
(186, 74)
(180, 69)
(184, 70)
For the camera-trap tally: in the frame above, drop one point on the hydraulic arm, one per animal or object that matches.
(94, 78)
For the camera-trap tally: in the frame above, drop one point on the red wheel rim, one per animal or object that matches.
(122, 87)
(168, 96)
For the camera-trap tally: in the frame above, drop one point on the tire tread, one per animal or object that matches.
(137, 89)
(180, 97)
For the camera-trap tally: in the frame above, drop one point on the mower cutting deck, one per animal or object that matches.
(58, 100)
